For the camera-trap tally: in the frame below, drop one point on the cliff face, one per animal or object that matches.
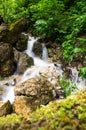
(66, 114)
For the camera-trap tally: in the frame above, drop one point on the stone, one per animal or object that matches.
(24, 62)
(21, 45)
(35, 92)
(5, 108)
(3, 32)
(6, 51)
(37, 49)
(10, 33)
(22, 105)
(16, 55)
(7, 66)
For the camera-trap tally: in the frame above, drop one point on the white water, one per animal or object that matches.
(9, 95)
(39, 65)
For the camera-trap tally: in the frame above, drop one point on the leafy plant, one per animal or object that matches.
(67, 86)
(83, 72)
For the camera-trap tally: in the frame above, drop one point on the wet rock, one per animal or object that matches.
(36, 91)
(37, 49)
(5, 108)
(24, 62)
(21, 45)
(6, 59)
(16, 55)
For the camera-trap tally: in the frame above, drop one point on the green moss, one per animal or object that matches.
(10, 119)
(12, 25)
(66, 114)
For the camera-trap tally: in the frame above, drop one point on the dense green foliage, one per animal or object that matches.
(62, 21)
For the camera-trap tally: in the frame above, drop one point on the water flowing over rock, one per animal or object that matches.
(5, 108)
(35, 92)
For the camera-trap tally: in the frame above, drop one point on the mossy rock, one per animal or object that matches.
(66, 114)
(10, 33)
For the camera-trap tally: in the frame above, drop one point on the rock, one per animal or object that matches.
(66, 114)
(22, 105)
(16, 55)
(6, 52)
(16, 28)
(6, 59)
(37, 49)
(3, 32)
(24, 62)
(21, 45)
(5, 108)
(7, 68)
(11, 33)
(36, 91)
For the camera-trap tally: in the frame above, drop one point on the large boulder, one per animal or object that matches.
(35, 91)
(21, 45)
(15, 30)
(11, 33)
(24, 62)
(37, 49)
(3, 32)
(5, 108)
(6, 59)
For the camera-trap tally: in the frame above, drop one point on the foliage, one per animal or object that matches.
(67, 86)
(83, 72)
(61, 20)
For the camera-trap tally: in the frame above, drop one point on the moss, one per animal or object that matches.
(66, 114)
(12, 25)
(10, 119)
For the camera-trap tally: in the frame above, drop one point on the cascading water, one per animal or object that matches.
(39, 66)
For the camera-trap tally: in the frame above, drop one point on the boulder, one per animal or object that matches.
(35, 92)
(6, 59)
(22, 105)
(11, 33)
(6, 51)
(15, 30)
(3, 32)
(5, 108)
(16, 55)
(21, 45)
(24, 62)
(37, 49)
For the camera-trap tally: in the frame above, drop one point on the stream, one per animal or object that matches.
(40, 66)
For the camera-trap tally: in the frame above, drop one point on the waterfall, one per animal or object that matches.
(30, 45)
(39, 65)
(44, 53)
(37, 61)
